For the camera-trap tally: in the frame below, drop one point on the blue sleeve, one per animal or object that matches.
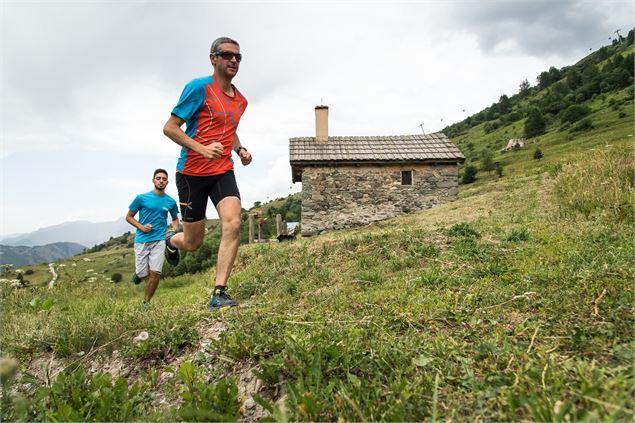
(192, 98)
(174, 211)
(135, 205)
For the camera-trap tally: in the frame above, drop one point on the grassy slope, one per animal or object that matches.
(490, 307)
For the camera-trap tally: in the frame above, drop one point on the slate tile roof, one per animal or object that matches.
(435, 147)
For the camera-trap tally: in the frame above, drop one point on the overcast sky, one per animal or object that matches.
(86, 86)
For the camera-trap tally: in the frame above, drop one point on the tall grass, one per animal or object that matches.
(599, 185)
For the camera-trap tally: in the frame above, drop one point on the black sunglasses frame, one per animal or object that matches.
(228, 55)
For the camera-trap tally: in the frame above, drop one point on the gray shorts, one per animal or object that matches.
(149, 256)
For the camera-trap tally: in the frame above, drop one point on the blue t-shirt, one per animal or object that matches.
(153, 209)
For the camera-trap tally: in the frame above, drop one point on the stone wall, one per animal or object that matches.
(339, 197)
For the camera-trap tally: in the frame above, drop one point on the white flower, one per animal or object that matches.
(141, 337)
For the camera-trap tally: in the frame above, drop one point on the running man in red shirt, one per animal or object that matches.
(211, 108)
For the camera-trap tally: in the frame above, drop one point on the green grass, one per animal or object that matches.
(513, 303)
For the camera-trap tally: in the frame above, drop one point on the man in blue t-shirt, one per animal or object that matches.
(149, 245)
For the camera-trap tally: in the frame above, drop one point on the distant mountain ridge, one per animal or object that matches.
(22, 256)
(81, 232)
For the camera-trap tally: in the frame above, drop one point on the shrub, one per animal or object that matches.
(469, 174)
(75, 396)
(583, 125)
(574, 113)
(29, 272)
(116, 277)
(538, 154)
(204, 401)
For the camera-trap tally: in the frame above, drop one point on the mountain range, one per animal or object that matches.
(22, 256)
(81, 232)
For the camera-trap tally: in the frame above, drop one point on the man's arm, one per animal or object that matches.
(175, 224)
(172, 129)
(134, 222)
(245, 156)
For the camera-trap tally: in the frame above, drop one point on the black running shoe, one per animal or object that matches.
(221, 299)
(171, 253)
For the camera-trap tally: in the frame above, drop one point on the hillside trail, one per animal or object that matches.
(52, 281)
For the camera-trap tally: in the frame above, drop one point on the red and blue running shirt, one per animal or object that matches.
(210, 116)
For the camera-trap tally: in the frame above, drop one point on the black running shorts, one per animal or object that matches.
(194, 190)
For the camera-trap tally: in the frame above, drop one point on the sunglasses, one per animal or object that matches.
(228, 55)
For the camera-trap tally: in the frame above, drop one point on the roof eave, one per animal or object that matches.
(295, 163)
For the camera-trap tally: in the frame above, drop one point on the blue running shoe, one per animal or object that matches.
(136, 279)
(221, 299)
(171, 253)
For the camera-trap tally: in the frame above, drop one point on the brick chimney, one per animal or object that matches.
(321, 123)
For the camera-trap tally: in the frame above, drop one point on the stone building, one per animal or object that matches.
(352, 181)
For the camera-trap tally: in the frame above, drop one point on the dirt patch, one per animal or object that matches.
(248, 385)
(46, 367)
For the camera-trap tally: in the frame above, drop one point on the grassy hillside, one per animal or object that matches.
(513, 303)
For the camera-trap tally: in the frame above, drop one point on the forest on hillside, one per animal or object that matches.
(559, 94)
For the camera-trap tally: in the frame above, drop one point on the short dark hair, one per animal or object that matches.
(159, 171)
(219, 41)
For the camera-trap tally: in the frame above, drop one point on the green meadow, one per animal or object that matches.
(513, 303)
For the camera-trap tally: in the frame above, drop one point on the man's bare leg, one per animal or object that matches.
(191, 238)
(229, 214)
(151, 286)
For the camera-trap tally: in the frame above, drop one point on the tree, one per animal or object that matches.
(589, 72)
(469, 174)
(535, 123)
(554, 74)
(499, 169)
(574, 79)
(629, 64)
(543, 80)
(524, 88)
(487, 161)
(538, 154)
(504, 104)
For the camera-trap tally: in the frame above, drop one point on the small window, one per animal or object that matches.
(406, 177)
